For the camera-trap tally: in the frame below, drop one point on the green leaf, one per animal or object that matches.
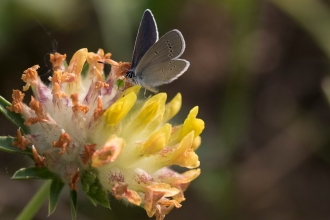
(94, 190)
(97, 194)
(33, 173)
(6, 145)
(12, 116)
(73, 204)
(84, 186)
(92, 200)
(102, 198)
(54, 194)
(89, 176)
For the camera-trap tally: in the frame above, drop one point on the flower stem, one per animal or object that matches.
(34, 205)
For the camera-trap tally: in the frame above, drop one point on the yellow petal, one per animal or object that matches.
(192, 123)
(152, 109)
(184, 155)
(157, 140)
(172, 108)
(189, 176)
(119, 109)
(164, 188)
(176, 135)
(108, 152)
(197, 142)
(134, 89)
(77, 62)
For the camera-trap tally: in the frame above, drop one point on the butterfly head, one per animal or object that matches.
(130, 74)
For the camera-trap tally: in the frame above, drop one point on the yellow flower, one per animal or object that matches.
(157, 140)
(88, 128)
(119, 109)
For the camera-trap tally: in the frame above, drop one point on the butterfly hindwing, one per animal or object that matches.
(162, 73)
(168, 47)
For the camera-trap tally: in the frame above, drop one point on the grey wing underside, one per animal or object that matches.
(169, 46)
(162, 73)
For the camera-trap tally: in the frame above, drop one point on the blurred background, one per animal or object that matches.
(258, 74)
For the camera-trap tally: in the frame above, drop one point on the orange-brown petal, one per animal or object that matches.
(21, 142)
(17, 104)
(108, 152)
(74, 180)
(57, 60)
(30, 76)
(38, 160)
(76, 106)
(89, 150)
(120, 191)
(63, 141)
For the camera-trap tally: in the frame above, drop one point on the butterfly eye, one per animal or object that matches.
(129, 74)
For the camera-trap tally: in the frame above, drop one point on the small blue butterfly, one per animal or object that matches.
(155, 62)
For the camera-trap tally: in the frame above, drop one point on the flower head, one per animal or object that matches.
(85, 127)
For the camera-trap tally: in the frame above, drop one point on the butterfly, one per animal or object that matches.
(155, 61)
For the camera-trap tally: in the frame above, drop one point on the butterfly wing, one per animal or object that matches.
(160, 64)
(169, 46)
(146, 37)
(162, 73)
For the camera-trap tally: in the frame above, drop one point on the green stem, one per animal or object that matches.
(34, 205)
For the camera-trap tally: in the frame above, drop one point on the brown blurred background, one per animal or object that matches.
(257, 73)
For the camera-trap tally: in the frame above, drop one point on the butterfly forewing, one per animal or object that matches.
(168, 47)
(146, 37)
(162, 73)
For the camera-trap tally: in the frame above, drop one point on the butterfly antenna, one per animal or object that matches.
(54, 45)
(109, 64)
(46, 64)
(51, 38)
